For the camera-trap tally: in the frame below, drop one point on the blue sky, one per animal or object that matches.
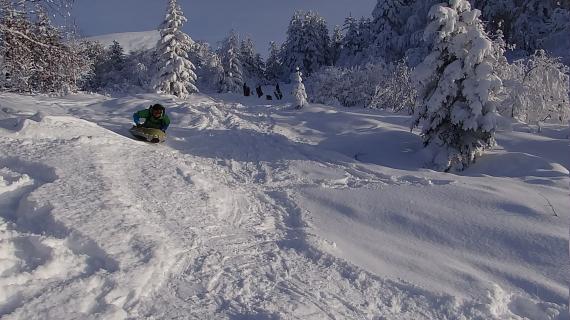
(211, 20)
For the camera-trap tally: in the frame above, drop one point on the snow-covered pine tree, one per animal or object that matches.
(457, 87)
(299, 92)
(253, 65)
(530, 23)
(351, 46)
(208, 66)
(95, 54)
(526, 23)
(114, 63)
(232, 80)
(176, 73)
(389, 19)
(273, 65)
(365, 36)
(137, 69)
(117, 56)
(214, 72)
(259, 68)
(397, 29)
(307, 43)
(335, 46)
(73, 68)
(499, 14)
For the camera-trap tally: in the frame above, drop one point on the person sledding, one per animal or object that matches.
(155, 118)
(156, 121)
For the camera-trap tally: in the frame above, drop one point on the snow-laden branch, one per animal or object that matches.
(3, 28)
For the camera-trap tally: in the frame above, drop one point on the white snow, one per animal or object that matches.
(253, 210)
(130, 41)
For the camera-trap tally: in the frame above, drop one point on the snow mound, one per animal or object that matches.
(41, 126)
(520, 165)
(130, 41)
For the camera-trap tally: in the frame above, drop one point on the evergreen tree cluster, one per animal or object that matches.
(112, 70)
(307, 44)
(526, 23)
(396, 28)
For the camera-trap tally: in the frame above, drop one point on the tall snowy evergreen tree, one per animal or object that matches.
(352, 48)
(176, 73)
(111, 69)
(500, 14)
(527, 23)
(117, 56)
(96, 54)
(389, 19)
(253, 65)
(351, 35)
(208, 66)
(458, 86)
(397, 29)
(335, 46)
(273, 65)
(298, 91)
(307, 43)
(531, 23)
(232, 80)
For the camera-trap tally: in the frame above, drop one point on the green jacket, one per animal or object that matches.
(151, 122)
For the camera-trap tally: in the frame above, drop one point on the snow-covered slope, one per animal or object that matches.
(265, 212)
(130, 41)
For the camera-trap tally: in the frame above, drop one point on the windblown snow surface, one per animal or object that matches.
(253, 211)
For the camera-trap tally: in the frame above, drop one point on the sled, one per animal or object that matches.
(148, 134)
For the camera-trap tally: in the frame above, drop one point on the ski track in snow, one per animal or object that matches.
(185, 230)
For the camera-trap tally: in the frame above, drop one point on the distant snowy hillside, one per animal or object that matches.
(130, 41)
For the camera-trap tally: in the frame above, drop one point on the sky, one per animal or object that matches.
(211, 20)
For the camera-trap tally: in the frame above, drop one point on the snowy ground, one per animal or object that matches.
(254, 211)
